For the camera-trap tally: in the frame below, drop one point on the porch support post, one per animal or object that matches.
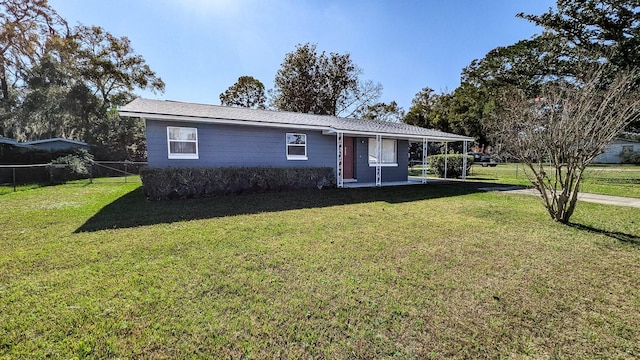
(446, 155)
(379, 160)
(464, 160)
(340, 159)
(425, 149)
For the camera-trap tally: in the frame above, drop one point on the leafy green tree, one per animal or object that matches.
(111, 71)
(61, 82)
(419, 113)
(42, 113)
(323, 84)
(246, 92)
(383, 112)
(471, 107)
(431, 110)
(109, 66)
(26, 28)
(601, 28)
(462, 111)
(577, 34)
(526, 65)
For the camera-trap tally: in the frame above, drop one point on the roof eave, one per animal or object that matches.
(327, 130)
(413, 137)
(186, 118)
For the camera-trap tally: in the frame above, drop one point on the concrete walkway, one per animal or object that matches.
(592, 198)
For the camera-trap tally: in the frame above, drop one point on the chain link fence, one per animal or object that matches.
(14, 176)
(115, 171)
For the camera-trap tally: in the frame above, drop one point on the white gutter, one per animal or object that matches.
(416, 138)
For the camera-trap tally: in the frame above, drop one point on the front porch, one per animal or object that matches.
(372, 160)
(411, 180)
(353, 185)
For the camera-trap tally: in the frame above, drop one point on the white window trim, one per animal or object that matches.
(386, 164)
(178, 155)
(286, 147)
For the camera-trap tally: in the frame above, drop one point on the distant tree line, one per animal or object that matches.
(62, 81)
(315, 82)
(576, 33)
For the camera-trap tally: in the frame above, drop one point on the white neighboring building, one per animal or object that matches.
(611, 154)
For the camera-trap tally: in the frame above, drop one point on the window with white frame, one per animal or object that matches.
(296, 146)
(182, 142)
(389, 152)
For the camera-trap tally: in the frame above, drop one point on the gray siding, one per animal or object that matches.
(237, 145)
(366, 173)
(233, 145)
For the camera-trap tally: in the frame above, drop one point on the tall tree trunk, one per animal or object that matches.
(4, 102)
(4, 86)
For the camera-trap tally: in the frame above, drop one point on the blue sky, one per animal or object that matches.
(200, 47)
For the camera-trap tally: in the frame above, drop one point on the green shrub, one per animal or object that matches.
(177, 183)
(628, 156)
(76, 162)
(454, 164)
(70, 167)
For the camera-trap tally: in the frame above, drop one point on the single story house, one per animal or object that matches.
(181, 134)
(611, 154)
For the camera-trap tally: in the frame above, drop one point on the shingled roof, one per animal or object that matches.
(191, 112)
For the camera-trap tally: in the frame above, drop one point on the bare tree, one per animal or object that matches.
(566, 127)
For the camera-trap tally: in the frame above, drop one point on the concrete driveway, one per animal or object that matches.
(586, 197)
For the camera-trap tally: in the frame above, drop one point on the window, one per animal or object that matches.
(389, 153)
(296, 146)
(182, 142)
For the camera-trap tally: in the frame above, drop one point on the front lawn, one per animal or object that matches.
(435, 271)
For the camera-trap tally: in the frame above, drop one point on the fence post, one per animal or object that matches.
(14, 179)
(90, 173)
(125, 172)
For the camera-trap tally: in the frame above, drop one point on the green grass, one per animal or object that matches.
(618, 180)
(436, 271)
(6, 189)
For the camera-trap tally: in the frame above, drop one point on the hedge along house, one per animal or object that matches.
(361, 152)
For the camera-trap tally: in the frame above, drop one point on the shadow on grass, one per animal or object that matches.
(627, 238)
(132, 209)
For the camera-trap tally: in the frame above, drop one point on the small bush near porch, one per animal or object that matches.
(434, 271)
(454, 164)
